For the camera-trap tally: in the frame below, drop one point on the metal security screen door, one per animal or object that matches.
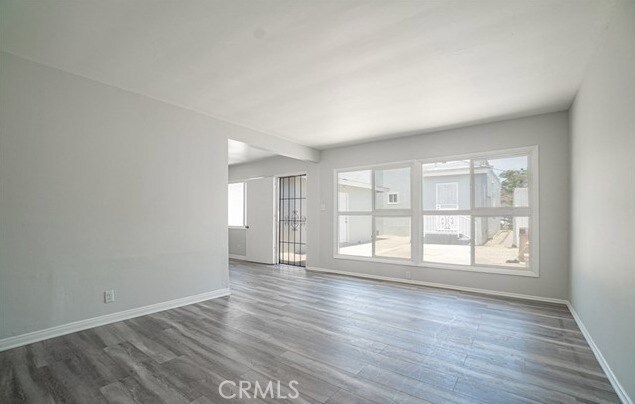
(292, 220)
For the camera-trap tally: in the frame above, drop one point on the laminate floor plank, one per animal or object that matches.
(343, 339)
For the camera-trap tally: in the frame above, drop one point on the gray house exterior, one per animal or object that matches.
(446, 186)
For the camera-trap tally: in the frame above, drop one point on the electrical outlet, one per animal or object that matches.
(408, 275)
(109, 296)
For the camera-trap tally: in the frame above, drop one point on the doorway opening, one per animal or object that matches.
(292, 208)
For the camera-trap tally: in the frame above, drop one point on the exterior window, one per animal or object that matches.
(355, 191)
(446, 185)
(356, 234)
(392, 237)
(502, 241)
(236, 204)
(474, 213)
(447, 195)
(374, 226)
(501, 182)
(446, 239)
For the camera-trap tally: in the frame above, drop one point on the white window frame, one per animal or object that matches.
(416, 212)
(396, 202)
(374, 212)
(244, 225)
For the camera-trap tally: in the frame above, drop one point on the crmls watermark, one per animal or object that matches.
(229, 389)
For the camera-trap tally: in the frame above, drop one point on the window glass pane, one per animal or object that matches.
(392, 237)
(446, 239)
(236, 204)
(446, 185)
(354, 189)
(502, 241)
(355, 235)
(392, 188)
(501, 182)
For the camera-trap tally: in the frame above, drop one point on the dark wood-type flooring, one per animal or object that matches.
(344, 340)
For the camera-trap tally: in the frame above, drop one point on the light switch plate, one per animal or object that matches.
(109, 296)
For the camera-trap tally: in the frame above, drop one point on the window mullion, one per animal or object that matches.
(472, 221)
(392, 212)
(356, 213)
(416, 232)
(447, 212)
(374, 212)
(502, 211)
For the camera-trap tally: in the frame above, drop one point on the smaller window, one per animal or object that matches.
(236, 204)
(393, 198)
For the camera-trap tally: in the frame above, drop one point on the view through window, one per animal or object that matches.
(473, 212)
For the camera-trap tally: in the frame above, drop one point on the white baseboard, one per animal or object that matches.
(245, 258)
(441, 285)
(24, 339)
(600, 358)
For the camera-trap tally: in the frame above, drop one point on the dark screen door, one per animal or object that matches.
(292, 220)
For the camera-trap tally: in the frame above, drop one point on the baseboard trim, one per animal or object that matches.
(246, 259)
(29, 338)
(440, 285)
(598, 355)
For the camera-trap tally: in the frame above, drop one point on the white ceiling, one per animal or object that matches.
(239, 152)
(322, 73)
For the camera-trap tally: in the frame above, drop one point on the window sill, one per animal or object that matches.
(238, 227)
(529, 272)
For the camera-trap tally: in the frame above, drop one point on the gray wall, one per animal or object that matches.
(102, 189)
(238, 242)
(550, 132)
(603, 197)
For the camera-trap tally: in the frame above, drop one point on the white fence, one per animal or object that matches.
(447, 224)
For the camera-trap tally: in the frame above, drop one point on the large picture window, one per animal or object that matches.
(476, 212)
